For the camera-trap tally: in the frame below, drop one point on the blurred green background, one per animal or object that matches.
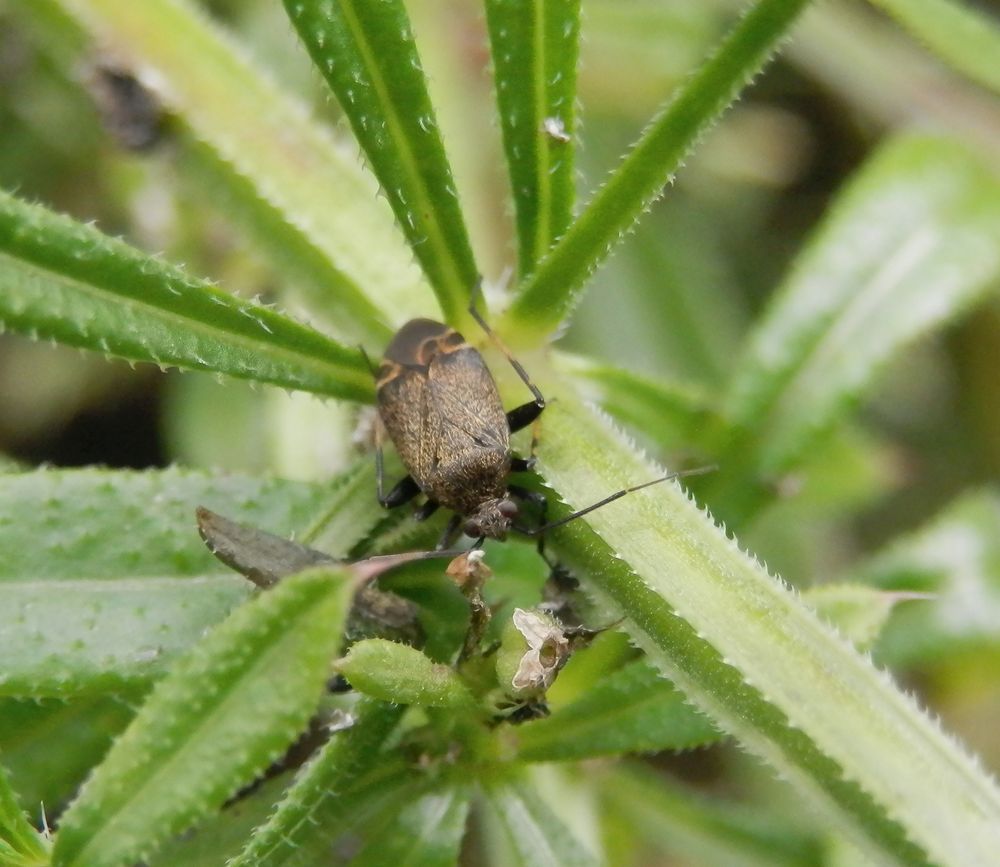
(673, 304)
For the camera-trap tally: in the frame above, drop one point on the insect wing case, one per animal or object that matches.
(440, 406)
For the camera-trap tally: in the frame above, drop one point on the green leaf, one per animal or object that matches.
(136, 585)
(425, 833)
(318, 794)
(633, 710)
(672, 415)
(68, 282)
(955, 559)
(535, 47)
(549, 294)
(221, 836)
(536, 835)
(49, 746)
(913, 242)
(20, 844)
(366, 53)
(762, 666)
(258, 146)
(59, 525)
(403, 675)
(698, 830)
(858, 612)
(227, 709)
(961, 35)
(105, 636)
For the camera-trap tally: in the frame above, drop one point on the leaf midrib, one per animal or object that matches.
(403, 144)
(227, 695)
(308, 364)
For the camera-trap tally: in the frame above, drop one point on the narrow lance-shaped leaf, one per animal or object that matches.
(535, 46)
(66, 281)
(966, 38)
(20, 844)
(427, 832)
(227, 710)
(58, 525)
(320, 788)
(549, 294)
(706, 831)
(761, 665)
(955, 561)
(111, 601)
(256, 147)
(859, 613)
(536, 835)
(670, 414)
(49, 746)
(367, 54)
(913, 243)
(632, 710)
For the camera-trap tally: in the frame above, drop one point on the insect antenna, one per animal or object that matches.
(495, 338)
(617, 495)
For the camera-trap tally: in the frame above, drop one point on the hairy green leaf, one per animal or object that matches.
(259, 147)
(68, 282)
(221, 836)
(136, 584)
(955, 560)
(669, 414)
(367, 54)
(535, 46)
(66, 525)
(403, 675)
(858, 612)
(633, 710)
(536, 835)
(705, 831)
(50, 745)
(227, 709)
(20, 844)
(914, 242)
(105, 635)
(548, 295)
(775, 677)
(318, 795)
(425, 833)
(964, 37)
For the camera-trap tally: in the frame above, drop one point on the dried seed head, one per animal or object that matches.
(469, 568)
(534, 648)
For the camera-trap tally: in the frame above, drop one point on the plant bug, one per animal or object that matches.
(439, 404)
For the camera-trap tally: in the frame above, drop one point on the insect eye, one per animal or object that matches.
(508, 508)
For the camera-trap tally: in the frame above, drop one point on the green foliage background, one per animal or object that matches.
(811, 305)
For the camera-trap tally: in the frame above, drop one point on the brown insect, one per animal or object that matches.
(440, 405)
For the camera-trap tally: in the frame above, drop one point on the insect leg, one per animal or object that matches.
(450, 533)
(426, 510)
(521, 465)
(541, 501)
(404, 491)
(521, 416)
